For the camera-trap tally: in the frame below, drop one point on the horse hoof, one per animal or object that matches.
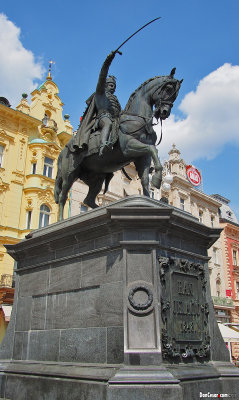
(156, 181)
(90, 204)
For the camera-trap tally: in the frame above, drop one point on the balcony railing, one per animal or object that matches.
(6, 281)
(49, 123)
(222, 301)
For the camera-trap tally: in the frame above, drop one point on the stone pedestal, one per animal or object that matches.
(115, 304)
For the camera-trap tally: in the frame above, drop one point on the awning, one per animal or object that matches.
(7, 312)
(228, 334)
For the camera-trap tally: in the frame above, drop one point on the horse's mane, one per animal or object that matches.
(132, 96)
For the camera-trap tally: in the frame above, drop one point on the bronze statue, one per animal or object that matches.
(102, 112)
(133, 141)
(108, 138)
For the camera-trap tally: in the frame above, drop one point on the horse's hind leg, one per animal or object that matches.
(95, 183)
(66, 185)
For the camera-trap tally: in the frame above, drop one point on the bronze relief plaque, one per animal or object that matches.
(184, 310)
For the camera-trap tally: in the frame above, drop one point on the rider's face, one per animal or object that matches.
(110, 87)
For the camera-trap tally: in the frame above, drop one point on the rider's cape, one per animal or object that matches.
(86, 140)
(81, 139)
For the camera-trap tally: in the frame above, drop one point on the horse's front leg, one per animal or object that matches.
(157, 177)
(142, 166)
(135, 148)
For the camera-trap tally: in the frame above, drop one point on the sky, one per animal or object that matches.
(198, 37)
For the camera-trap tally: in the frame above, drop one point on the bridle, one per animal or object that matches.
(170, 100)
(158, 105)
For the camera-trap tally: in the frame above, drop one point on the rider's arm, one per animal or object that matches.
(100, 88)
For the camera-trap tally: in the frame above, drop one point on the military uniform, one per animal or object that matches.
(103, 109)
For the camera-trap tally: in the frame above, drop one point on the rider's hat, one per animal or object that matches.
(111, 79)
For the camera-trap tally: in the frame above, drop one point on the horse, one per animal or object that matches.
(136, 143)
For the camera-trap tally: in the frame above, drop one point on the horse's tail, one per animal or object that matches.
(108, 178)
(59, 180)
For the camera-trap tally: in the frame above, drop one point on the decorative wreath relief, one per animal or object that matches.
(140, 306)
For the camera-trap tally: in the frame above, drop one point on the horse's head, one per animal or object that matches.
(165, 94)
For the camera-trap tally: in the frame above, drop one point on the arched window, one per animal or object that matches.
(44, 217)
(218, 286)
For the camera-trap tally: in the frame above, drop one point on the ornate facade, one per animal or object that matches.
(230, 252)
(184, 195)
(31, 138)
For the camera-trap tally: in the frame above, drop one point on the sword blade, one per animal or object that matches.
(140, 29)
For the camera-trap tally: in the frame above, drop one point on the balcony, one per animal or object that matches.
(49, 128)
(222, 301)
(6, 281)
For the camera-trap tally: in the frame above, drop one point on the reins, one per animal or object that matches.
(161, 102)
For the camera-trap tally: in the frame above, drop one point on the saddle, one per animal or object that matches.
(94, 139)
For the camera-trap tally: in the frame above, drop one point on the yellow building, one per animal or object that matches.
(31, 138)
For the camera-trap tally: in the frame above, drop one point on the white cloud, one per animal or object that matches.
(211, 117)
(19, 69)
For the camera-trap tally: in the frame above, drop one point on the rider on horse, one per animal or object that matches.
(102, 112)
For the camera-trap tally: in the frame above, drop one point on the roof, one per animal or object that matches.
(227, 214)
(228, 334)
(5, 101)
(41, 86)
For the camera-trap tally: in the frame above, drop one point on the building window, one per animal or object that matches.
(212, 221)
(182, 204)
(218, 286)
(237, 290)
(48, 167)
(83, 208)
(29, 218)
(222, 316)
(46, 118)
(44, 217)
(1, 155)
(200, 216)
(215, 255)
(234, 257)
(34, 168)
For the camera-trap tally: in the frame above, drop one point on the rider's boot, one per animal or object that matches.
(103, 148)
(105, 125)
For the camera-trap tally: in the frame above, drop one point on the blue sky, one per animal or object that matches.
(200, 38)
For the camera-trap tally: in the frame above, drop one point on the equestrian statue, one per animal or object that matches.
(109, 138)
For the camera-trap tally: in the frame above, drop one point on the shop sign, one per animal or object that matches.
(193, 175)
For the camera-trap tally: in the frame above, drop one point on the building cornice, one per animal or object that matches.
(228, 223)
(15, 114)
(194, 192)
